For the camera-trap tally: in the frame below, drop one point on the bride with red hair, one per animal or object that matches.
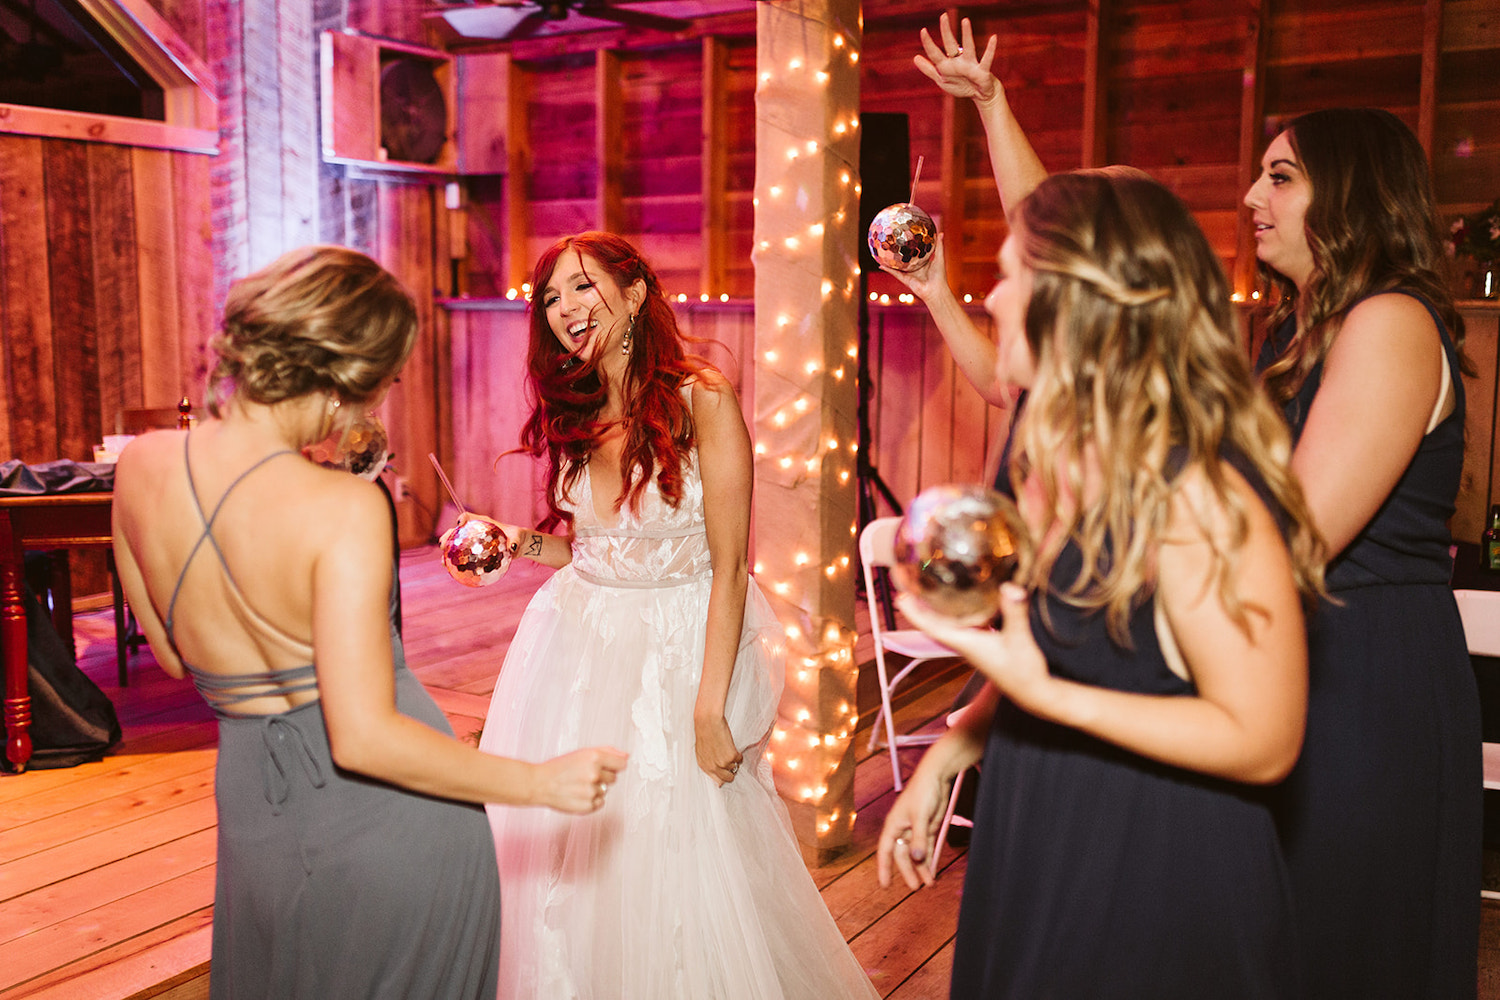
(652, 637)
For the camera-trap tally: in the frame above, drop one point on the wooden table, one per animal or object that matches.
(58, 521)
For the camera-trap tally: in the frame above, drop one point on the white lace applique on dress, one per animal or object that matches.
(676, 888)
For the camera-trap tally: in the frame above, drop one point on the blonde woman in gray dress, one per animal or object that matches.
(353, 857)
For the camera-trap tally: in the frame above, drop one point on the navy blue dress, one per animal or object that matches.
(1095, 873)
(1381, 820)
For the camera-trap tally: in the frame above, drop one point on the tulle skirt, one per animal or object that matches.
(676, 888)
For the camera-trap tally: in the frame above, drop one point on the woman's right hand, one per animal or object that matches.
(930, 278)
(964, 74)
(577, 782)
(910, 830)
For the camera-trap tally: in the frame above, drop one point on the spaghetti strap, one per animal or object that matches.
(208, 534)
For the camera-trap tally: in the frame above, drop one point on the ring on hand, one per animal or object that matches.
(960, 52)
(902, 841)
(734, 768)
(602, 788)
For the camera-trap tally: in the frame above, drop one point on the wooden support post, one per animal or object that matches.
(1094, 140)
(806, 290)
(714, 272)
(951, 172)
(1427, 98)
(517, 175)
(608, 140)
(1252, 118)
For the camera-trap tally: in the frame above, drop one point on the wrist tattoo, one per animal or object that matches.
(534, 546)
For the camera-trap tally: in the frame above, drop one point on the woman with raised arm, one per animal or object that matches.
(653, 636)
(1150, 676)
(1382, 819)
(353, 859)
(1017, 170)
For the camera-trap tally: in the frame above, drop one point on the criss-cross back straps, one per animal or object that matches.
(208, 534)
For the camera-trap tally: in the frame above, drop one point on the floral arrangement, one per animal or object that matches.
(1478, 235)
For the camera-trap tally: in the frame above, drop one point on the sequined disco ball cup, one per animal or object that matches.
(902, 237)
(476, 553)
(954, 548)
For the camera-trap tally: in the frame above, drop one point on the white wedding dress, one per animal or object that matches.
(676, 888)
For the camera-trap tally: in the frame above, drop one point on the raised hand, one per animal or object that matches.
(577, 782)
(928, 280)
(956, 66)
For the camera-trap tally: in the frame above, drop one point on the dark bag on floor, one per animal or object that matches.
(72, 721)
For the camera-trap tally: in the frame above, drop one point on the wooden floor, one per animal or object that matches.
(107, 869)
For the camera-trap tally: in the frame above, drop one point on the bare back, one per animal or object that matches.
(220, 536)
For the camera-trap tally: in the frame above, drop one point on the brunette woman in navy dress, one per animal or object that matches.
(1382, 818)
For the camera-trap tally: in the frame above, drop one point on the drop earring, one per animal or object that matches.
(629, 336)
(330, 415)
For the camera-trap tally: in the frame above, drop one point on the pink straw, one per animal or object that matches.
(447, 485)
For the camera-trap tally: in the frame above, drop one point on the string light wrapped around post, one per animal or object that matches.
(806, 322)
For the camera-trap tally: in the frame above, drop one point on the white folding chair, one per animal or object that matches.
(949, 817)
(875, 549)
(1480, 611)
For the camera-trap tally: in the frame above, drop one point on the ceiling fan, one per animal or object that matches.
(514, 19)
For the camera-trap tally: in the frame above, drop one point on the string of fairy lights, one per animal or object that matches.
(807, 281)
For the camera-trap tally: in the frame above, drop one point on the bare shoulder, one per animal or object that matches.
(714, 403)
(146, 466)
(337, 501)
(710, 388)
(1391, 317)
(147, 451)
(1198, 508)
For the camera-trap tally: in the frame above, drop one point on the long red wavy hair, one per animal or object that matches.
(568, 393)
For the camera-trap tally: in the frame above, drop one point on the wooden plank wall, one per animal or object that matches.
(105, 298)
(109, 286)
(1480, 486)
(105, 294)
(1190, 90)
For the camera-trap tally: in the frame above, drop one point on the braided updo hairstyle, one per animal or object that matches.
(316, 319)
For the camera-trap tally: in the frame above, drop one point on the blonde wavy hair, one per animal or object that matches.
(316, 319)
(1137, 361)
